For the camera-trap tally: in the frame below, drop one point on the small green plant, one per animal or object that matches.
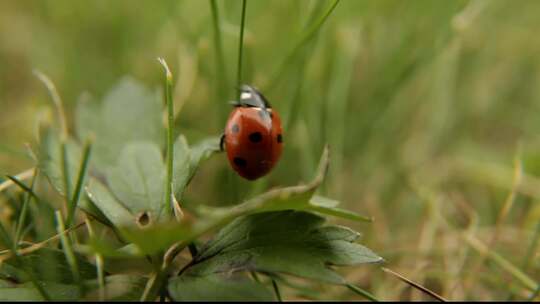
(117, 168)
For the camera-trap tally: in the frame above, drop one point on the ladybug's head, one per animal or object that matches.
(251, 97)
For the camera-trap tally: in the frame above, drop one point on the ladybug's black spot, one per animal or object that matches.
(240, 162)
(255, 137)
(279, 138)
(235, 128)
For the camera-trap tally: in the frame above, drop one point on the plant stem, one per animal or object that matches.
(240, 49)
(170, 136)
(80, 181)
(362, 292)
(415, 285)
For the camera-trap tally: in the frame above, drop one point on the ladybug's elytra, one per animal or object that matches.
(252, 137)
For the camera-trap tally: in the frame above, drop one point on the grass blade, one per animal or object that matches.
(415, 285)
(24, 209)
(79, 186)
(276, 291)
(362, 292)
(308, 34)
(65, 173)
(21, 176)
(68, 250)
(523, 278)
(24, 187)
(218, 49)
(170, 136)
(241, 49)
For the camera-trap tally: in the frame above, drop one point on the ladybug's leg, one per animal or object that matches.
(221, 142)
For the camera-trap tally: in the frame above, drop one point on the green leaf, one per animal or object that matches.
(201, 152)
(129, 112)
(299, 197)
(181, 166)
(27, 292)
(50, 163)
(138, 178)
(155, 237)
(217, 288)
(328, 206)
(115, 212)
(48, 265)
(50, 158)
(120, 287)
(291, 242)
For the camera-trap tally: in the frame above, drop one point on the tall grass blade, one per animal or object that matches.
(168, 204)
(306, 37)
(362, 292)
(83, 169)
(222, 79)
(240, 49)
(24, 209)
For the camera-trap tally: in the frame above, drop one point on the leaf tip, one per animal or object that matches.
(168, 73)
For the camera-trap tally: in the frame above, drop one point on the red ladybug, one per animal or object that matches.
(252, 138)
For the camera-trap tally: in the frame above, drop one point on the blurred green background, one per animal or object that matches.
(429, 108)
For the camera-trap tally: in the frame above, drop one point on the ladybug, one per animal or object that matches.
(253, 137)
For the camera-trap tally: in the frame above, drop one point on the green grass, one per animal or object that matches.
(423, 103)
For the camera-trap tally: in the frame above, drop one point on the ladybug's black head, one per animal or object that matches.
(251, 97)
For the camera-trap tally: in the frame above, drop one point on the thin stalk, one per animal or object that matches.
(68, 250)
(308, 34)
(362, 292)
(80, 180)
(99, 265)
(170, 136)
(218, 47)
(24, 209)
(7, 242)
(415, 285)
(241, 49)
